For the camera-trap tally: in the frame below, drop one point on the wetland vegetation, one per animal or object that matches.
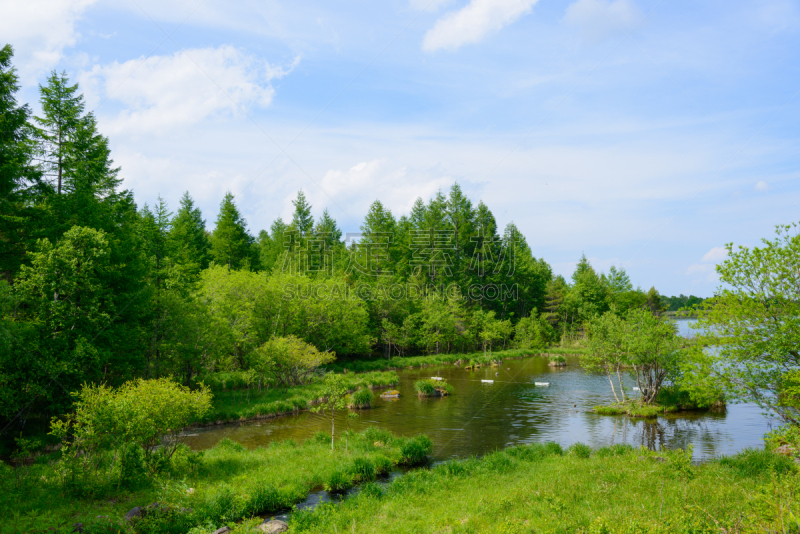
(121, 326)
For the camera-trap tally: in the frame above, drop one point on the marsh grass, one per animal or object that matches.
(542, 488)
(230, 484)
(248, 404)
(433, 388)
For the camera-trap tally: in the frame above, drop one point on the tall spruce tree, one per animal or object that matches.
(302, 219)
(231, 243)
(187, 240)
(76, 160)
(18, 175)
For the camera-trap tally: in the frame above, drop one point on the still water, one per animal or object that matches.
(480, 418)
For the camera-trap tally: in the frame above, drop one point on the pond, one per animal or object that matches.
(480, 418)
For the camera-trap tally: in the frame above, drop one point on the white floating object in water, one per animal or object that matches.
(437, 378)
(636, 389)
(541, 383)
(488, 381)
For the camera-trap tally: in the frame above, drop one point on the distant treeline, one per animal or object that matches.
(681, 302)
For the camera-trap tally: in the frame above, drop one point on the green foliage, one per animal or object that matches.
(231, 243)
(289, 360)
(334, 397)
(136, 419)
(639, 340)
(534, 332)
(751, 328)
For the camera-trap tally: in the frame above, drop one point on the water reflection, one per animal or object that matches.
(481, 418)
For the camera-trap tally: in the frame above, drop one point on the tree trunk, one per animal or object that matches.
(613, 390)
(333, 424)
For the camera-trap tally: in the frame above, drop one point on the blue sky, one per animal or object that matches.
(642, 133)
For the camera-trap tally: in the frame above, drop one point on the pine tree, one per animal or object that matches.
(417, 216)
(63, 109)
(302, 219)
(328, 229)
(271, 246)
(231, 243)
(18, 176)
(187, 240)
(77, 160)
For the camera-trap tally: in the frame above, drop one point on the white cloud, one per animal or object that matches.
(598, 19)
(471, 23)
(40, 30)
(715, 255)
(707, 268)
(353, 190)
(163, 92)
(762, 186)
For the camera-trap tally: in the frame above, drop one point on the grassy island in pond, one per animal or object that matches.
(433, 388)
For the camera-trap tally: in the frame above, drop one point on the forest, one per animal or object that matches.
(98, 290)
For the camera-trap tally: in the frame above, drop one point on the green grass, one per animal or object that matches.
(360, 366)
(361, 399)
(229, 484)
(433, 388)
(632, 408)
(247, 404)
(541, 488)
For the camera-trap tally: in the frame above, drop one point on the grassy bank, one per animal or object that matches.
(406, 362)
(203, 491)
(231, 405)
(542, 488)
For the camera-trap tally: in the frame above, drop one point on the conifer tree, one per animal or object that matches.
(302, 219)
(76, 159)
(326, 227)
(231, 243)
(187, 240)
(18, 176)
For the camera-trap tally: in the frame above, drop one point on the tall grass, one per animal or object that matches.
(231, 483)
(254, 404)
(542, 488)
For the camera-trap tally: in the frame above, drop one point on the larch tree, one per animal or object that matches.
(231, 243)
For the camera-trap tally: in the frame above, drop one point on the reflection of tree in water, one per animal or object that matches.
(670, 433)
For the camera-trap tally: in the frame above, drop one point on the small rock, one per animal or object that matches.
(189, 491)
(785, 450)
(222, 530)
(134, 512)
(273, 526)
